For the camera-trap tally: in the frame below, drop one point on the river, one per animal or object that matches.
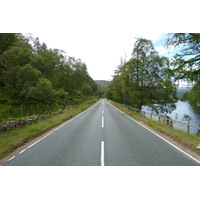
(182, 109)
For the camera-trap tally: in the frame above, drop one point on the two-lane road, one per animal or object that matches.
(101, 136)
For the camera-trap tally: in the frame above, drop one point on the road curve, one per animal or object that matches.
(101, 136)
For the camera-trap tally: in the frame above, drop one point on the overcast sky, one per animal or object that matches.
(97, 32)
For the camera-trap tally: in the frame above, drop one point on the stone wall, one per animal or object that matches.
(18, 123)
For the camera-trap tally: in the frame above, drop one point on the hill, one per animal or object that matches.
(102, 83)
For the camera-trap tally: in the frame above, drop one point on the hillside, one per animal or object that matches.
(103, 83)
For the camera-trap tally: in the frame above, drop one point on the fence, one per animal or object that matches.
(35, 109)
(22, 110)
(163, 119)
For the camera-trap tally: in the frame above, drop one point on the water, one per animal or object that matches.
(182, 108)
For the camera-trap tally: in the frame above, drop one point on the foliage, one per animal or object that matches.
(184, 96)
(185, 64)
(194, 95)
(31, 71)
(142, 80)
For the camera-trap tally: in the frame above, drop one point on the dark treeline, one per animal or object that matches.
(31, 71)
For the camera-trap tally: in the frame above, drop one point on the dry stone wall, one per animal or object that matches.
(18, 123)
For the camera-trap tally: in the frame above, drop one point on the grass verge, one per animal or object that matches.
(10, 141)
(187, 140)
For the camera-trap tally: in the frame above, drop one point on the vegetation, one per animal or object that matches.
(30, 73)
(186, 63)
(143, 79)
(102, 86)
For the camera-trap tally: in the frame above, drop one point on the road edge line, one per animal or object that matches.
(40, 138)
(182, 151)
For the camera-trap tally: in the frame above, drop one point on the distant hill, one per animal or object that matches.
(103, 83)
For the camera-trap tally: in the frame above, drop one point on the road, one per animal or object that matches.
(101, 136)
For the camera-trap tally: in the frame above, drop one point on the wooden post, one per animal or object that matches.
(8, 113)
(65, 101)
(48, 105)
(21, 107)
(31, 110)
(188, 128)
(38, 108)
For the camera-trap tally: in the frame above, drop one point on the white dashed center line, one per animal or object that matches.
(102, 153)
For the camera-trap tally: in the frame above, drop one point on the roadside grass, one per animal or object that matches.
(187, 140)
(9, 141)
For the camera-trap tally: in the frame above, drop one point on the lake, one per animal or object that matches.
(182, 108)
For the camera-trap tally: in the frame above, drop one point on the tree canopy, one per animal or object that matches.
(31, 71)
(186, 64)
(142, 80)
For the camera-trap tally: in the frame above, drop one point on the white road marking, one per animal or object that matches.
(22, 151)
(68, 121)
(102, 111)
(102, 121)
(102, 153)
(158, 136)
(11, 158)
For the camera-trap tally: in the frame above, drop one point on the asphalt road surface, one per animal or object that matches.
(101, 136)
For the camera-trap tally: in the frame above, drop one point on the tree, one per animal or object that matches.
(186, 63)
(31, 71)
(194, 95)
(7, 40)
(142, 80)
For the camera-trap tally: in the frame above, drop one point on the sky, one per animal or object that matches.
(101, 53)
(97, 32)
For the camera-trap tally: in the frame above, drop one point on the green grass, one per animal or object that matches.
(9, 141)
(188, 140)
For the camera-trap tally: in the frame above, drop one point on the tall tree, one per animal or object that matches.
(142, 80)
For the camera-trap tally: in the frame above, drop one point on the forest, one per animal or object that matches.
(33, 74)
(149, 79)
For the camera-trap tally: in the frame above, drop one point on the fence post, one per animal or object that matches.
(38, 108)
(32, 110)
(21, 108)
(188, 128)
(48, 106)
(8, 113)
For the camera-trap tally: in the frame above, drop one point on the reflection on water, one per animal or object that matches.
(182, 109)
